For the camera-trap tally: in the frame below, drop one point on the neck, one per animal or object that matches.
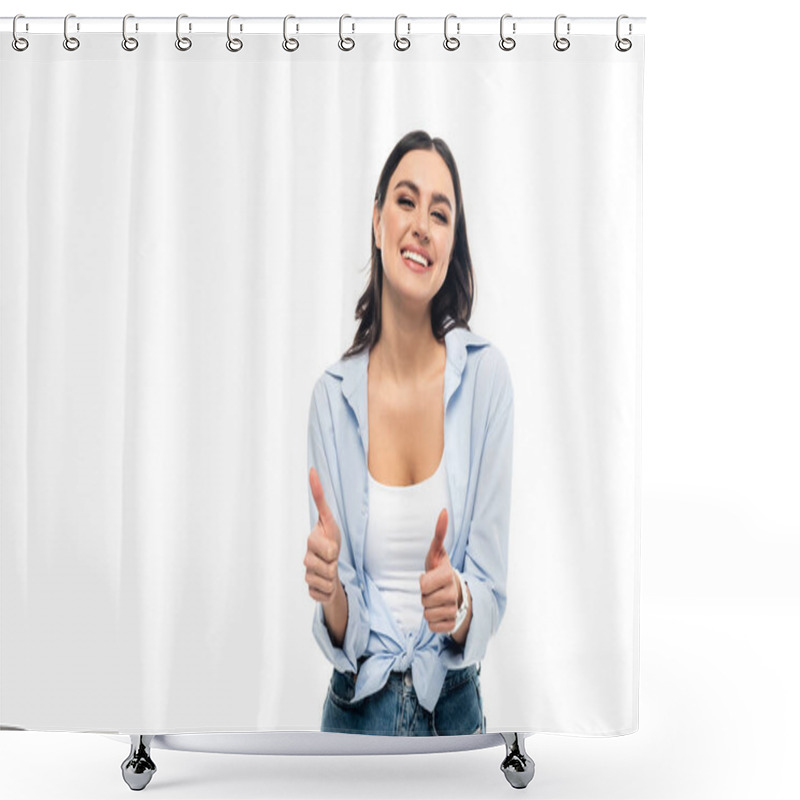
(407, 351)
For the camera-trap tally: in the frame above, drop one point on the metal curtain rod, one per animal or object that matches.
(323, 25)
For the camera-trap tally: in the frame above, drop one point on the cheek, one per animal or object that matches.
(443, 275)
(447, 248)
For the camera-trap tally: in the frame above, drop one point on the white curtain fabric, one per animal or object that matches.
(184, 238)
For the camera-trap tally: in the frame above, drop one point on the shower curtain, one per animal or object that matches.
(185, 236)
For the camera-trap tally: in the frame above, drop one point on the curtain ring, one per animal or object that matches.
(70, 42)
(561, 43)
(234, 45)
(18, 43)
(181, 42)
(401, 43)
(506, 42)
(623, 45)
(451, 42)
(289, 45)
(128, 42)
(346, 43)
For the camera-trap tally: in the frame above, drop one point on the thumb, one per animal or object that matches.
(325, 514)
(436, 551)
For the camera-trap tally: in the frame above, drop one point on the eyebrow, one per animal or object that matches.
(437, 198)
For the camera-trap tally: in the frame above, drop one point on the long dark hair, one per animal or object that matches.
(456, 296)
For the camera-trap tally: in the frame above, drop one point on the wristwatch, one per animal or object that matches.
(461, 614)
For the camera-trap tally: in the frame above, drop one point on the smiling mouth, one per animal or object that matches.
(417, 258)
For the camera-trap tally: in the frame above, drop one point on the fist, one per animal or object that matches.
(439, 586)
(322, 548)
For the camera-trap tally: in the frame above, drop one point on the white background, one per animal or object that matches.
(721, 436)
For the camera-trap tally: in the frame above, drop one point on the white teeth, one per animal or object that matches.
(410, 254)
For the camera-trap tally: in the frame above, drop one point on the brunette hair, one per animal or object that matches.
(456, 296)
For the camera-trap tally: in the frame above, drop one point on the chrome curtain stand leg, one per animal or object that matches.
(138, 768)
(517, 766)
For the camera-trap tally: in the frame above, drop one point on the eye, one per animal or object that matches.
(441, 216)
(405, 200)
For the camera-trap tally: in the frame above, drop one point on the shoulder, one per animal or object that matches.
(325, 393)
(491, 371)
(338, 382)
(491, 359)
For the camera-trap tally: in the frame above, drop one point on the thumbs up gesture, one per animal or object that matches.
(322, 549)
(439, 586)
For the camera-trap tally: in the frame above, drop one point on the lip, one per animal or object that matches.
(414, 249)
(413, 264)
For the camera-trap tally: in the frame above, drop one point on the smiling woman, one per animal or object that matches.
(409, 593)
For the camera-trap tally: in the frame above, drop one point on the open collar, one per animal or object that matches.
(353, 371)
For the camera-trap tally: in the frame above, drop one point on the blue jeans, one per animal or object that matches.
(395, 711)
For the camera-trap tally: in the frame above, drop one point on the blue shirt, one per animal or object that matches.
(478, 439)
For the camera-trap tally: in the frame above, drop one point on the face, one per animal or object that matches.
(415, 228)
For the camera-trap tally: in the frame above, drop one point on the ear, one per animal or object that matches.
(376, 225)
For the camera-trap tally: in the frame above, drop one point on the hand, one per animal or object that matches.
(322, 549)
(439, 586)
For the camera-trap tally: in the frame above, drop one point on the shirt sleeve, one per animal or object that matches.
(486, 559)
(322, 456)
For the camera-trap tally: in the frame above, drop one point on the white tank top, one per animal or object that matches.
(400, 528)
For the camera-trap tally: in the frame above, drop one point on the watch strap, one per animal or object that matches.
(461, 614)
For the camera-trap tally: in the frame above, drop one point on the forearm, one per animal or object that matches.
(335, 614)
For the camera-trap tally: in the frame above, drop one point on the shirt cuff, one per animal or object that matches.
(344, 658)
(453, 656)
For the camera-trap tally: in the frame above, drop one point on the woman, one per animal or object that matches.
(410, 449)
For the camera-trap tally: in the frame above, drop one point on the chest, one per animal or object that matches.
(406, 433)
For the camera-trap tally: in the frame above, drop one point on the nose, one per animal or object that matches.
(421, 224)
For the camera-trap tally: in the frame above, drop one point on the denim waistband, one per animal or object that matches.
(453, 677)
